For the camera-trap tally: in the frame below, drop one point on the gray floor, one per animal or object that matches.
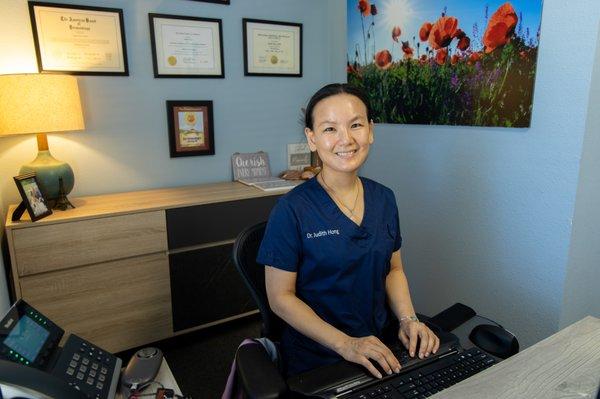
(201, 361)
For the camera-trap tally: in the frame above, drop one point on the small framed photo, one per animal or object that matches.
(32, 196)
(80, 40)
(186, 47)
(191, 128)
(272, 48)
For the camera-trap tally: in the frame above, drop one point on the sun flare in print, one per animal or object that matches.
(397, 13)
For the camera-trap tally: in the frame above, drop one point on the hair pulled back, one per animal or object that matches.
(332, 90)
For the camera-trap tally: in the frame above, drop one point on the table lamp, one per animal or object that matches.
(42, 103)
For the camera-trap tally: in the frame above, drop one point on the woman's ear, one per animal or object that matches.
(371, 130)
(310, 139)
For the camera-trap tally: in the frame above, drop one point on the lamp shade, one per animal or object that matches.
(39, 103)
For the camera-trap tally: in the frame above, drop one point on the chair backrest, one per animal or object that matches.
(245, 250)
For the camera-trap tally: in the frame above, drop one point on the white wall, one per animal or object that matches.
(582, 286)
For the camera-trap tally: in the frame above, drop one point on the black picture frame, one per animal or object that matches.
(33, 198)
(190, 112)
(82, 71)
(247, 70)
(153, 42)
(223, 2)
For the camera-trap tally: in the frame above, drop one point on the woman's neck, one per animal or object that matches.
(340, 182)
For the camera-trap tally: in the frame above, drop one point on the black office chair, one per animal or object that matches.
(258, 376)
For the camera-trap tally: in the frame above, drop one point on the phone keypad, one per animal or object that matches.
(86, 367)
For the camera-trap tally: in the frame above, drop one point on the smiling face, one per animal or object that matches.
(341, 132)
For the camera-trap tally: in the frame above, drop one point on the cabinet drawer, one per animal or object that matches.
(222, 221)
(59, 246)
(116, 305)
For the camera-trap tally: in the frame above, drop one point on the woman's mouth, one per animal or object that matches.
(345, 154)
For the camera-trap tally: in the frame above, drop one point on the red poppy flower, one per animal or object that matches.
(441, 55)
(373, 9)
(442, 32)
(364, 7)
(463, 43)
(500, 28)
(459, 34)
(424, 31)
(383, 59)
(473, 58)
(408, 51)
(396, 33)
(454, 59)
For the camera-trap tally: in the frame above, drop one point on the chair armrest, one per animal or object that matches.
(257, 374)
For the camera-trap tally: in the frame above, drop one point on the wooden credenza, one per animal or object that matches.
(123, 270)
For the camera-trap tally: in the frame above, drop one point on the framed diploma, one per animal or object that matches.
(272, 48)
(186, 47)
(79, 40)
(191, 128)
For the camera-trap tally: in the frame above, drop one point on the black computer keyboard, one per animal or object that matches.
(430, 379)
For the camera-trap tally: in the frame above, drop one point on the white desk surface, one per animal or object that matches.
(564, 365)
(164, 376)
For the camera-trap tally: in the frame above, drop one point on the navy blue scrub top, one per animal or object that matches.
(341, 267)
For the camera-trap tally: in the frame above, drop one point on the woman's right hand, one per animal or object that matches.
(360, 350)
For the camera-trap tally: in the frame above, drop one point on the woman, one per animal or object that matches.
(332, 250)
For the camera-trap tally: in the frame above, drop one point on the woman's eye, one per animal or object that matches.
(355, 125)
(328, 129)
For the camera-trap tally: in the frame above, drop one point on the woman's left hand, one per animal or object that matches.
(409, 334)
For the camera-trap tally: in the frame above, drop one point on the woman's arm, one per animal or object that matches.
(281, 292)
(396, 286)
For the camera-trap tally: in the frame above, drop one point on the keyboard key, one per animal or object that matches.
(95, 366)
(79, 376)
(85, 361)
(103, 370)
(92, 373)
(73, 364)
(101, 378)
(90, 381)
(99, 385)
(70, 371)
(83, 368)
(76, 356)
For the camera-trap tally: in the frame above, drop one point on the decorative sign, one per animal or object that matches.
(298, 156)
(250, 165)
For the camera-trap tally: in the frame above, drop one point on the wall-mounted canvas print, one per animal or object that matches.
(456, 62)
(191, 128)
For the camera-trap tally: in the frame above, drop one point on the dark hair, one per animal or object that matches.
(332, 90)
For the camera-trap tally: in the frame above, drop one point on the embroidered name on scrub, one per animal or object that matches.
(322, 233)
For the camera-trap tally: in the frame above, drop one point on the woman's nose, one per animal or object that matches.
(345, 135)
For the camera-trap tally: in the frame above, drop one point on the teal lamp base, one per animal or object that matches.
(48, 171)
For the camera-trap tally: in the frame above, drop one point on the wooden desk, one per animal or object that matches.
(564, 365)
(164, 376)
(124, 270)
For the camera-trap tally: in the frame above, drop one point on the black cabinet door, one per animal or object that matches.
(221, 221)
(206, 287)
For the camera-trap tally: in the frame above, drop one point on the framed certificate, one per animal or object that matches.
(272, 48)
(191, 128)
(79, 40)
(186, 47)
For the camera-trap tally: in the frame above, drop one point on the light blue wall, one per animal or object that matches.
(485, 212)
(125, 145)
(582, 286)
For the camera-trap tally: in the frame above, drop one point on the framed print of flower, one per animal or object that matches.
(470, 63)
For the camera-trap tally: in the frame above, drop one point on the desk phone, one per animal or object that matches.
(29, 338)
